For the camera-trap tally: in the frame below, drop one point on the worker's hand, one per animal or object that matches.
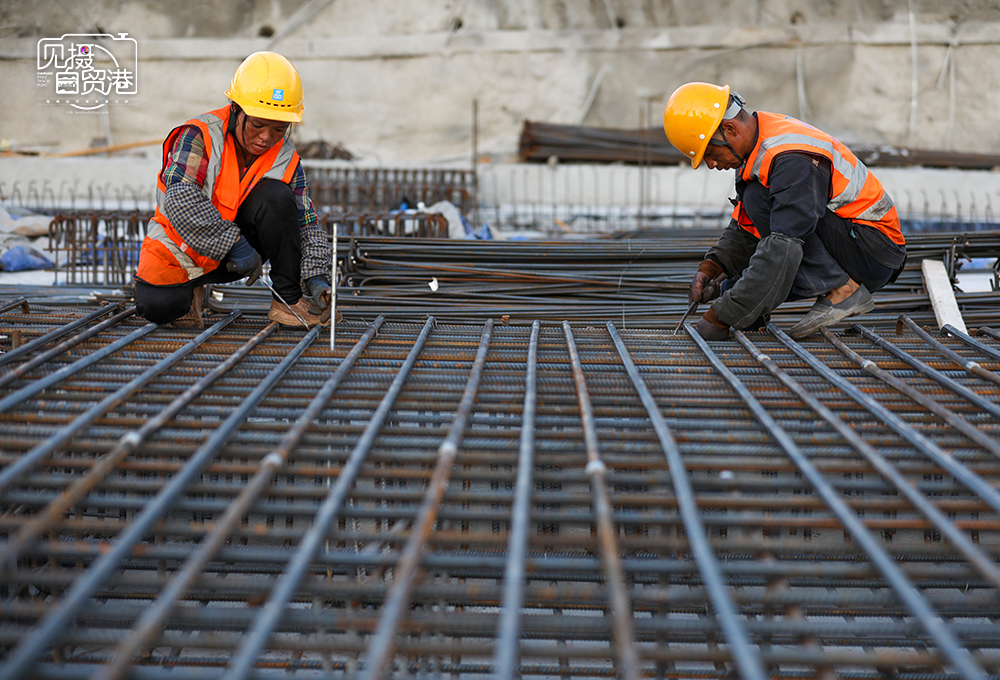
(252, 279)
(710, 327)
(242, 259)
(322, 297)
(704, 285)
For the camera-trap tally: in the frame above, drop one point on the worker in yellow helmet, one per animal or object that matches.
(811, 221)
(232, 193)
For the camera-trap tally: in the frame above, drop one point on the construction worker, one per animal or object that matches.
(811, 221)
(232, 193)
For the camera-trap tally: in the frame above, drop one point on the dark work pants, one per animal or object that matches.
(835, 250)
(269, 220)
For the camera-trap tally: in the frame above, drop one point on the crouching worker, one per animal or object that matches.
(232, 193)
(811, 221)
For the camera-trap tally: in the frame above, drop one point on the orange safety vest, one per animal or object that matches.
(165, 259)
(855, 193)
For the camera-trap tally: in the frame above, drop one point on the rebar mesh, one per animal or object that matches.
(326, 459)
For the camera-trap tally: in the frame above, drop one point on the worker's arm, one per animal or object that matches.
(734, 249)
(315, 243)
(799, 190)
(186, 205)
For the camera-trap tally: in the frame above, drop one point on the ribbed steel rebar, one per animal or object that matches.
(152, 619)
(53, 335)
(934, 374)
(983, 562)
(507, 656)
(125, 446)
(517, 534)
(928, 618)
(621, 609)
(23, 369)
(30, 648)
(30, 459)
(933, 406)
(744, 655)
(249, 650)
(380, 649)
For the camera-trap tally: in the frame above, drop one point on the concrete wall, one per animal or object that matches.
(395, 81)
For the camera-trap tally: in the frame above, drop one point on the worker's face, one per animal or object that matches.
(720, 157)
(257, 135)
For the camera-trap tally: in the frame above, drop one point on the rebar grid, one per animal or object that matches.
(243, 503)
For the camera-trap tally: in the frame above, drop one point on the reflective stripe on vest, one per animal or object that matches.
(856, 194)
(156, 232)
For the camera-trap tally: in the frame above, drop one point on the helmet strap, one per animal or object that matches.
(729, 146)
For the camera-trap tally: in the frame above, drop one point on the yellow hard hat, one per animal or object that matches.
(266, 85)
(692, 116)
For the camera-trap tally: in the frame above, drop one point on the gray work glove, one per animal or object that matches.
(322, 297)
(242, 259)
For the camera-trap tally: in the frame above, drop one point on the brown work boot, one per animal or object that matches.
(192, 319)
(280, 313)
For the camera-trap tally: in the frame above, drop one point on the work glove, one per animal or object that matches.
(252, 279)
(711, 327)
(242, 259)
(705, 284)
(322, 297)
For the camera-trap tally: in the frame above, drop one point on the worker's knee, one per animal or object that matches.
(162, 304)
(270, 202)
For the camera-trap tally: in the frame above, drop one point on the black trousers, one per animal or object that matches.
(269, 220)
(837, 249)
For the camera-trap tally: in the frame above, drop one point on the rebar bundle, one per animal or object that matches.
(584, 144)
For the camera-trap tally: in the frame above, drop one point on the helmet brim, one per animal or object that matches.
(271, 114)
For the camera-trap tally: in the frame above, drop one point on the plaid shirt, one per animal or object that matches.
(201, 226)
